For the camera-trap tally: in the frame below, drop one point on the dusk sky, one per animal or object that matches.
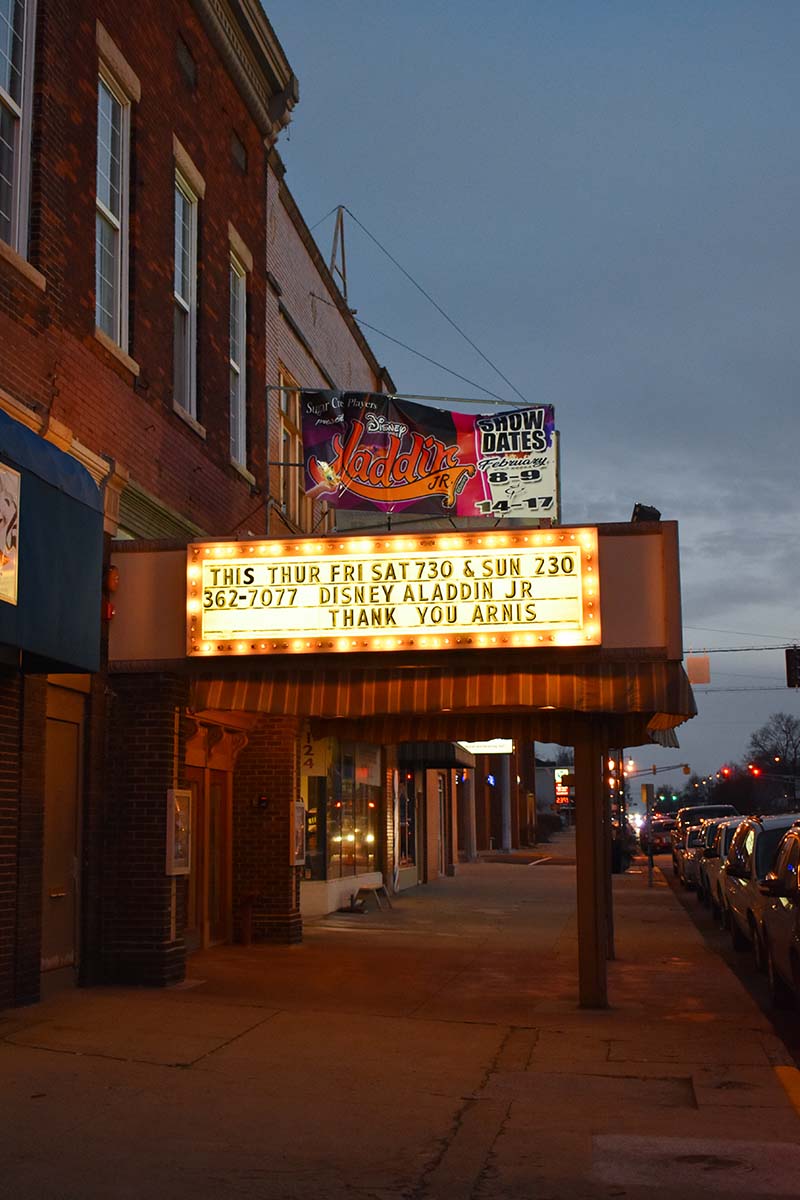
(604, 197)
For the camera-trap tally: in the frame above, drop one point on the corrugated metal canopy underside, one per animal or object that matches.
(433, 754)
(640, 701)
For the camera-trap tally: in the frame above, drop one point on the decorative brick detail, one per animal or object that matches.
(266, 887)
(144, 910)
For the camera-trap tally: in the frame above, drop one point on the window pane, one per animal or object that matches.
(109, 141)
(106, 282)
(12, 25)
(8, 137)
(237, 418)
(183, 245)
(181, 352)
(236, 282)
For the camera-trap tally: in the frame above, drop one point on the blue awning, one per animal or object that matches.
(55, 623)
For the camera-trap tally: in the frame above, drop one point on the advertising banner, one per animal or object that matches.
(365, 450)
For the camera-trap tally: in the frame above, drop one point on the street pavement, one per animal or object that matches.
(435, 1050)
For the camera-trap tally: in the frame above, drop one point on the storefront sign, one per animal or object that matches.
(315, 754)
(493, 746)
(9, 533)
(365, 450)
(564, 794)
(447, 591)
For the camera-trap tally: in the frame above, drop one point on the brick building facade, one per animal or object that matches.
(157, 284)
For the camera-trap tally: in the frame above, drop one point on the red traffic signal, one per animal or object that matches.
(726, 771)
(753, 769)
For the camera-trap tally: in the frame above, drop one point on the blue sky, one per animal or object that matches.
(603, 195)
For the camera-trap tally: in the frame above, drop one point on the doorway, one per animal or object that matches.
(209, 909)
(62, 833)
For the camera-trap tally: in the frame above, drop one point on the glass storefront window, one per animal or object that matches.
(407, 832)
(315, 827)
(353, 804)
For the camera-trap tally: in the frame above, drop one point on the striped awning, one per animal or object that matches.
(644, 698)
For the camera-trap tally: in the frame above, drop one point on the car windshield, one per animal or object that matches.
(765, 850)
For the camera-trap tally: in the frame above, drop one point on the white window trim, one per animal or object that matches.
(239, 452)
(23, 111)
(190, 408)
(110, 53)
(120, 335)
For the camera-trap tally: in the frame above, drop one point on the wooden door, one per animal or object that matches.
(61, 854)
(219, 857)
(209, 916)
(195, 900)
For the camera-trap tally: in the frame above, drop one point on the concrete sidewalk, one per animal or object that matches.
(434, 1050)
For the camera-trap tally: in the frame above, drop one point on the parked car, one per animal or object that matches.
(749, 861)
(709, 887)
(657, 834)
(688, 852)
(692, 815)
(780, 921)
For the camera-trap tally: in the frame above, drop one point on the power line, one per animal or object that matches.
(704, 691)
(737, 649)
(436, 305)
(738, 633)
(419, 353)
(311, 228)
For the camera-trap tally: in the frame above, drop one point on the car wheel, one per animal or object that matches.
(759, 951)
(738, 939)
(780, 993)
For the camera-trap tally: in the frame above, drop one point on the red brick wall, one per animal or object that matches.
(30, 841)
(51, 358)
(264, 881)
(140, 943)
(10, 732)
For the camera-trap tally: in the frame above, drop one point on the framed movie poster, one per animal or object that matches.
(299, 834)
(179, 831)
(9, 533)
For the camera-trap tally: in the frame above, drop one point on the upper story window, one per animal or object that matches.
(294, 503)
(237, 361)
(111, 210)
(17, 19)
(185, 293)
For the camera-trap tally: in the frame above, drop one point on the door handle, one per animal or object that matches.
(55, 894)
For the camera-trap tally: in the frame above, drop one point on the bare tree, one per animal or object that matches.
(777, 743)
(775, 749)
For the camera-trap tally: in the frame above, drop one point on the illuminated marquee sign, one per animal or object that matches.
(445, 591)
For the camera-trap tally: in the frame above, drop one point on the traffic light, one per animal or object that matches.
(726, 771)
(793, 666)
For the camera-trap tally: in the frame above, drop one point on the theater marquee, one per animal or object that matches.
(399, 592)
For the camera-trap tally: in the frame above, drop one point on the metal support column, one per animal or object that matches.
(504, 775)
(468, 816)
(592, 866)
